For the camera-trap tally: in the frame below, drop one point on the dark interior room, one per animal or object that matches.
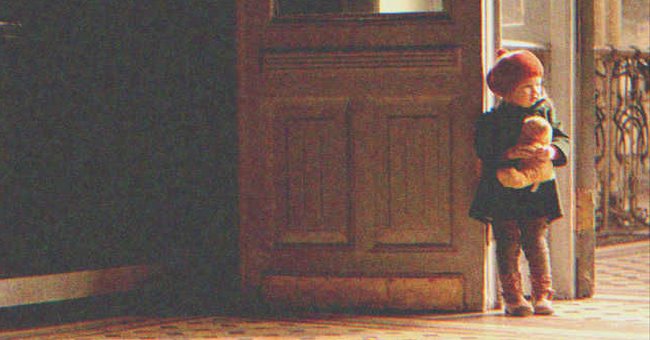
(119, 144)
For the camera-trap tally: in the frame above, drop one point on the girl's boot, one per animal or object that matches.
(513, 295)
(542, 294)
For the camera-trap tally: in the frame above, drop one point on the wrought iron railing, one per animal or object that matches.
(622, 162)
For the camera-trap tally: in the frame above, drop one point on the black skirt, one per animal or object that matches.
(495, 202)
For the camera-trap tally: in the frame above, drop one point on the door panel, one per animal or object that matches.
(412, 142)
(311, 144)
(355, 159)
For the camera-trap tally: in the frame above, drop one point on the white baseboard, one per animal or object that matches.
(64, 286)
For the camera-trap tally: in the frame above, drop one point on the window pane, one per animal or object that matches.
(302, 7)
(526, 21)
(513, 12)
(402, 6)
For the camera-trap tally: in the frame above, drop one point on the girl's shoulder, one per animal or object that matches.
(489, 120)
(491, 115)
(486, 117)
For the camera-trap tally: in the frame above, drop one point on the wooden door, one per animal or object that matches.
(356, 161)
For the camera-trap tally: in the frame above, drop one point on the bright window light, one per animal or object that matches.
(403, 6)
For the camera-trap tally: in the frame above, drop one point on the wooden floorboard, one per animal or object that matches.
(619, 310)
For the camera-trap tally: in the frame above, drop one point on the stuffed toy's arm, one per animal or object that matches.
(560, 142)
(521, 152)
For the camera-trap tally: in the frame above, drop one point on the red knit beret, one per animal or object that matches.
(511, 68)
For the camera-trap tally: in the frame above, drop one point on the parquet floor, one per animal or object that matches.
(619, 310)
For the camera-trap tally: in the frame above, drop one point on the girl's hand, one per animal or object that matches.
(546, 153)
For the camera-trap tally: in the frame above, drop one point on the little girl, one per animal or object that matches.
(519, 217)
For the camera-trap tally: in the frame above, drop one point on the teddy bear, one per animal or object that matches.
(536, 133)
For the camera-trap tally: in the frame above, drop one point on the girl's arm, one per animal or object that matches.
(484, 138)
(560, 142)
(485, 144)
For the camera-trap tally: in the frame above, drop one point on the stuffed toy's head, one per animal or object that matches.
(536, 130)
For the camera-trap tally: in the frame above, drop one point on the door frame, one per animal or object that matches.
(561, 49)
(563, 66)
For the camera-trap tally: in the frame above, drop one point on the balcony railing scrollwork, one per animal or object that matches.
(622, 139)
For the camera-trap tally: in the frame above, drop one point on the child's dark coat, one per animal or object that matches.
(496, 131)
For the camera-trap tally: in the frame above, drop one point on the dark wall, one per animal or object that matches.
(118, 137)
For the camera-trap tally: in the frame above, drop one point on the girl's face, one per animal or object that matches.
(526, 93)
